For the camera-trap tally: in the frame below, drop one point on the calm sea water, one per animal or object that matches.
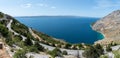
(69, 28)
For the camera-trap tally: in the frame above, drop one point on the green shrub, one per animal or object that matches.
(4, 22)
(17, 38)
(39, 47)
(48, 39)
(8, 39)
(21, 29)
(28, 42)
(108, 49)
(93, 51)
(33, 49)
(67, 46)
(3, 30)
(1, 15)
(55, 52)
(99, 49)
(103, 56)
(116, 54)
(80, 46)
(20, 54)
(64, 53)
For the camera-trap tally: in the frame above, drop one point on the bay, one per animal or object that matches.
(72, 29)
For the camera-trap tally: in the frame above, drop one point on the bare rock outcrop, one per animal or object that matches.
(109, 26)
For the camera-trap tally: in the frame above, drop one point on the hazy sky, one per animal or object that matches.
(91, 8)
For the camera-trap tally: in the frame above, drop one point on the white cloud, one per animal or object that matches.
(45, 5)
(28, 5)
(53, 7)
(42, 5)
(107, 3)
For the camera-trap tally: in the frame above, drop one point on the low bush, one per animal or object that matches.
(20, 54)
(64, 53)
(93, 51)
(1, 15)
(108, 49)
(55, 52)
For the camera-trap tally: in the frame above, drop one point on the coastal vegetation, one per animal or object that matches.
(20, 54)
(116, 54)
(13, 40)
(108, 49)
(55, 52)
(50, 41)
(58, 43)
(103, 56)
(4, 31)
(23, 30)
(64, 53)
(93, 51)
(1, 15)
(20, 28)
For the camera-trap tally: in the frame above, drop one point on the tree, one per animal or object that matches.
(99, 49)
(64, 53)
(38, 46)
(68, 46)
(93, 51)
(28, 42)
(108, 49)
(1, 15)
(80, 46)
(3, 30)
(90, 53)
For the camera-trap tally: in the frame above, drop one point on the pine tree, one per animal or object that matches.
(28, 42)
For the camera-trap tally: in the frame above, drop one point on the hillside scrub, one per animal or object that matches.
(55, 52)
(21, 28)
(1, 15)
(4, 31)
(20, 54)
(116, 54)
(93, 51)
(48, 39)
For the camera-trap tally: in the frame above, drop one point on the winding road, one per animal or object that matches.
(70, 52)
(15, 33)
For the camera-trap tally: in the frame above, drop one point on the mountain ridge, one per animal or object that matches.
(109, 26)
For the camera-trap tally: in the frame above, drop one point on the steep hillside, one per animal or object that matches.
(109, 26)
(21, 41)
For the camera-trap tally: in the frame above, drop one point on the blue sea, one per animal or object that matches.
(72, 29)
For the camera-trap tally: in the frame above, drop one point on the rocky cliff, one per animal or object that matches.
(109, 26)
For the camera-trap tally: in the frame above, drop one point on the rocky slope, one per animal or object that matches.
(20, 41)
(109, 26)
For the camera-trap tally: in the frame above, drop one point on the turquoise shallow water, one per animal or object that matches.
(69, 28)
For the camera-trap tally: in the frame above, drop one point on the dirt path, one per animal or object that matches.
(34, 35)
